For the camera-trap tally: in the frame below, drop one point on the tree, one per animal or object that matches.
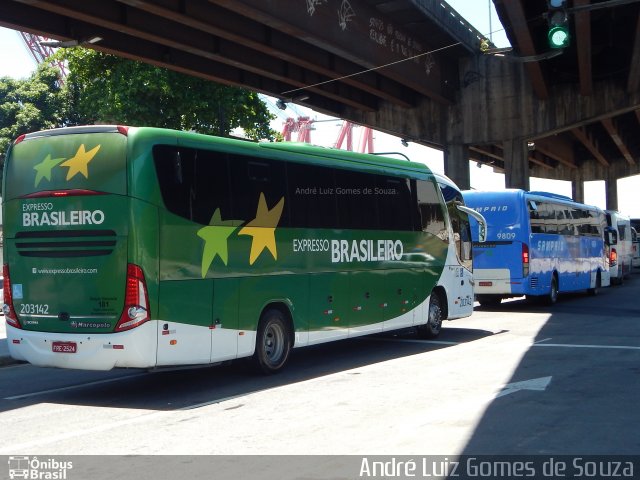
(28, 105)
(103, 88)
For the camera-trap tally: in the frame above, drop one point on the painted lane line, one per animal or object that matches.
(71, 387)
(543, 340)
(567, 345)
(84, 432)
(412, 340)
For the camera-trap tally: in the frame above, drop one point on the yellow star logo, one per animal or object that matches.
(78, 163)
(43, 169)
(263, 229)
(215, 237)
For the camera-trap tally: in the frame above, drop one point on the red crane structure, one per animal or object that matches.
(303, 126)
(41, 52)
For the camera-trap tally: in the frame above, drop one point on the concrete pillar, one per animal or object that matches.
(516, 164)
(456, 165)
(577, 186)
(611, 190)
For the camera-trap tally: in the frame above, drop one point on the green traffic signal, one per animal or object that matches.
(559, 36)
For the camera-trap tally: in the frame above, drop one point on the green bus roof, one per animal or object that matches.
(290, 151)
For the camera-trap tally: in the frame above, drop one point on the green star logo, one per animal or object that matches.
(215, 237)
(43, 169)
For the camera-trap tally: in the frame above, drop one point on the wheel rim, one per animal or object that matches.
(435, 319)
(273, 343)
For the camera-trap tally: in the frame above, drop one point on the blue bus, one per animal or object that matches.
(538, 244)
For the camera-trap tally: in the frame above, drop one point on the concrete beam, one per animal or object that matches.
(365, 37)
(516, 164)
(577, 187)
(613, 132)
(502, 91)
(611, 190)
(456, 165)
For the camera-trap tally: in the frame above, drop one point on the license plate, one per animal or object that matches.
(64, 347)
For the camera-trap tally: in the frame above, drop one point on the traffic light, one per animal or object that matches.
(558, 18)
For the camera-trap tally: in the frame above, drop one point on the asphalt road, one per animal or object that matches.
(516, 379)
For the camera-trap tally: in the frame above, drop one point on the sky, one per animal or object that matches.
(17, 62)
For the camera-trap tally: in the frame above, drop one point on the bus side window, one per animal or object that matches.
(355, 209)
(193, 183)
(431, 211)
(393, 197)
(253, 177)
(535, 218)
(311, 196)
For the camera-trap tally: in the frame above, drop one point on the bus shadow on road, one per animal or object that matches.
(184, 388)
(524, 305)
(575, 389)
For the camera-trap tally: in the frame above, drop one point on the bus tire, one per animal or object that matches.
(432, 328)
(552, 296)
(594, 291)
(273, 342)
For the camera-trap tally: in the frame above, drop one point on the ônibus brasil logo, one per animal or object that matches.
(40, 469)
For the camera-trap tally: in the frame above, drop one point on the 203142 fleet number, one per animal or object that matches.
(34, 308)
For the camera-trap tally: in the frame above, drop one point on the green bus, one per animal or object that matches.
(146, 247)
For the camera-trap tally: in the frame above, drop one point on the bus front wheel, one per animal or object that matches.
(273, 342)
(431, 329)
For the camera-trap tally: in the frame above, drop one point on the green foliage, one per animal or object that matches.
(102, 88)
(107, 89)
(28, 105)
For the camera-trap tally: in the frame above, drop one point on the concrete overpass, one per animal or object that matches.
(413, 68)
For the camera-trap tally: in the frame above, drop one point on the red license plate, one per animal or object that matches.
(64, 347)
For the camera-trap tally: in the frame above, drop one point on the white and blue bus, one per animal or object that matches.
(538, 244)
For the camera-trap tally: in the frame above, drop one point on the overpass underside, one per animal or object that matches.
(412, 68)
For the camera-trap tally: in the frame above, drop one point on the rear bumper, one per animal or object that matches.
(496, 281)
(134, 348)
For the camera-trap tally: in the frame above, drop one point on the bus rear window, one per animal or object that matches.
(87, 161)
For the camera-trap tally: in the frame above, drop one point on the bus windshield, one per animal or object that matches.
(504, 215)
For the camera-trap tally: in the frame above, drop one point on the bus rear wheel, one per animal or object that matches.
(552, 297)
(273, 342)
(432, 328)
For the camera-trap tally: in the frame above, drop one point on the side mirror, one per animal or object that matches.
(482, 222)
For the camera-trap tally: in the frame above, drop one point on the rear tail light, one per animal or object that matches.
(525, 260)
(136, 301)
(613, 257)
(9, 312)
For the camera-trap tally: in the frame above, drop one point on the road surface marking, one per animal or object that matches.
(71, 387)
(568, 345)
(537, 384)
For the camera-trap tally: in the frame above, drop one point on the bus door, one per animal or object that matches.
(460, 270)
